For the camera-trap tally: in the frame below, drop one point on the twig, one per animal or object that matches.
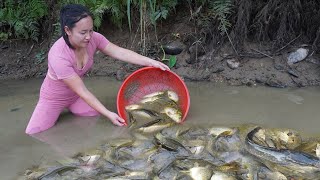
(262, 53)
(30, 50)
(314, 46)
(134, 38)
(195, 13)
(230, 41)
(247, 55)
(199, 42)
(287, 44)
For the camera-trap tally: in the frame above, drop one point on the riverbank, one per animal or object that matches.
(255, 65)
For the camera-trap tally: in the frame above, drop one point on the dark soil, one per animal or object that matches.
(197, 62)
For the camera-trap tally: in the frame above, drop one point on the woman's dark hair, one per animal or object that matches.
(69, 15)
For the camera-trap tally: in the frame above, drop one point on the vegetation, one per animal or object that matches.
(21, 19)
(171, 61)
(277, 21)
(236, 21)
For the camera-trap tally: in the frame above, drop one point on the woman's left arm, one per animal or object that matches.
(129, 56)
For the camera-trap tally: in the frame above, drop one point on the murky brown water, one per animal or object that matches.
(210, 104)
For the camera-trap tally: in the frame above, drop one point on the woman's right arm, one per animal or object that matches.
(76, 84)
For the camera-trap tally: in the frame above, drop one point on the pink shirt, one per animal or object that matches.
(62, 64)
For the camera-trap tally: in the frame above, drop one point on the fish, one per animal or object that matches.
(173, 114)
(278, 138)
(286, 161)
(137, 175)
(163, 94)
(289, 138)
(120, 142)
(149, 99)
(226, 139)
(199, 173)
(186, 163)
(155, 126)
(267, 174)
(132, 120)
(161, 159)
(56, 170)
(141, 114)
(228, 167)
(310, 146)
(154, 94)
(318, 150)
(158, 104)
(169, 143)
(249, 168)
(197, 150)
(132, 107)
(175, 131)
(173, 96)
(144, 114)
(215, 131)
(222, 176)
(196, 146)
(151, 104)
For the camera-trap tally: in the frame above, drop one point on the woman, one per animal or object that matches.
(69, 59)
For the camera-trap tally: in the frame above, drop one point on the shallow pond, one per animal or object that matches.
(213, 104)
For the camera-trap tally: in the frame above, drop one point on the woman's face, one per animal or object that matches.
(80, 34)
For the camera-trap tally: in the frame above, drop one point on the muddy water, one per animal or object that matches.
(210, 104)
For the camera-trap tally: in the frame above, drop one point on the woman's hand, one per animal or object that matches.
(116, 119)
(158, 64)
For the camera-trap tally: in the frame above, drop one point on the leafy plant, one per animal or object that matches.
(4, 36)
(171, 61)
(98, 8)
(160, 9)
(217, 9)
(154, 9)
(221, 9)
(150, 11)
(40, 57)
(21, 19)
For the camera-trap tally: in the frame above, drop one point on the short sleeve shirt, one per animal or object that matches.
(62, 61)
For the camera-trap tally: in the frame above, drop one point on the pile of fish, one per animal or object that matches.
(163, 148)
(158, 107)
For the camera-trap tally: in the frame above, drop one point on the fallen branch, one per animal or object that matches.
(231, 41)
(242, 55)
(288, 44)
(30, 50)
(314, 44)
(262, 53)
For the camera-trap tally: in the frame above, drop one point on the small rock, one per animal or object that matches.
(313, 60)
(275, 83)
(4, 47)
(279, 67)
(299, 55)
(173, 48)
(217, 69)
(233, 64)
(260, 80)
(293, 73)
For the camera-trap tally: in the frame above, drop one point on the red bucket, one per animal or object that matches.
(148, 80)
